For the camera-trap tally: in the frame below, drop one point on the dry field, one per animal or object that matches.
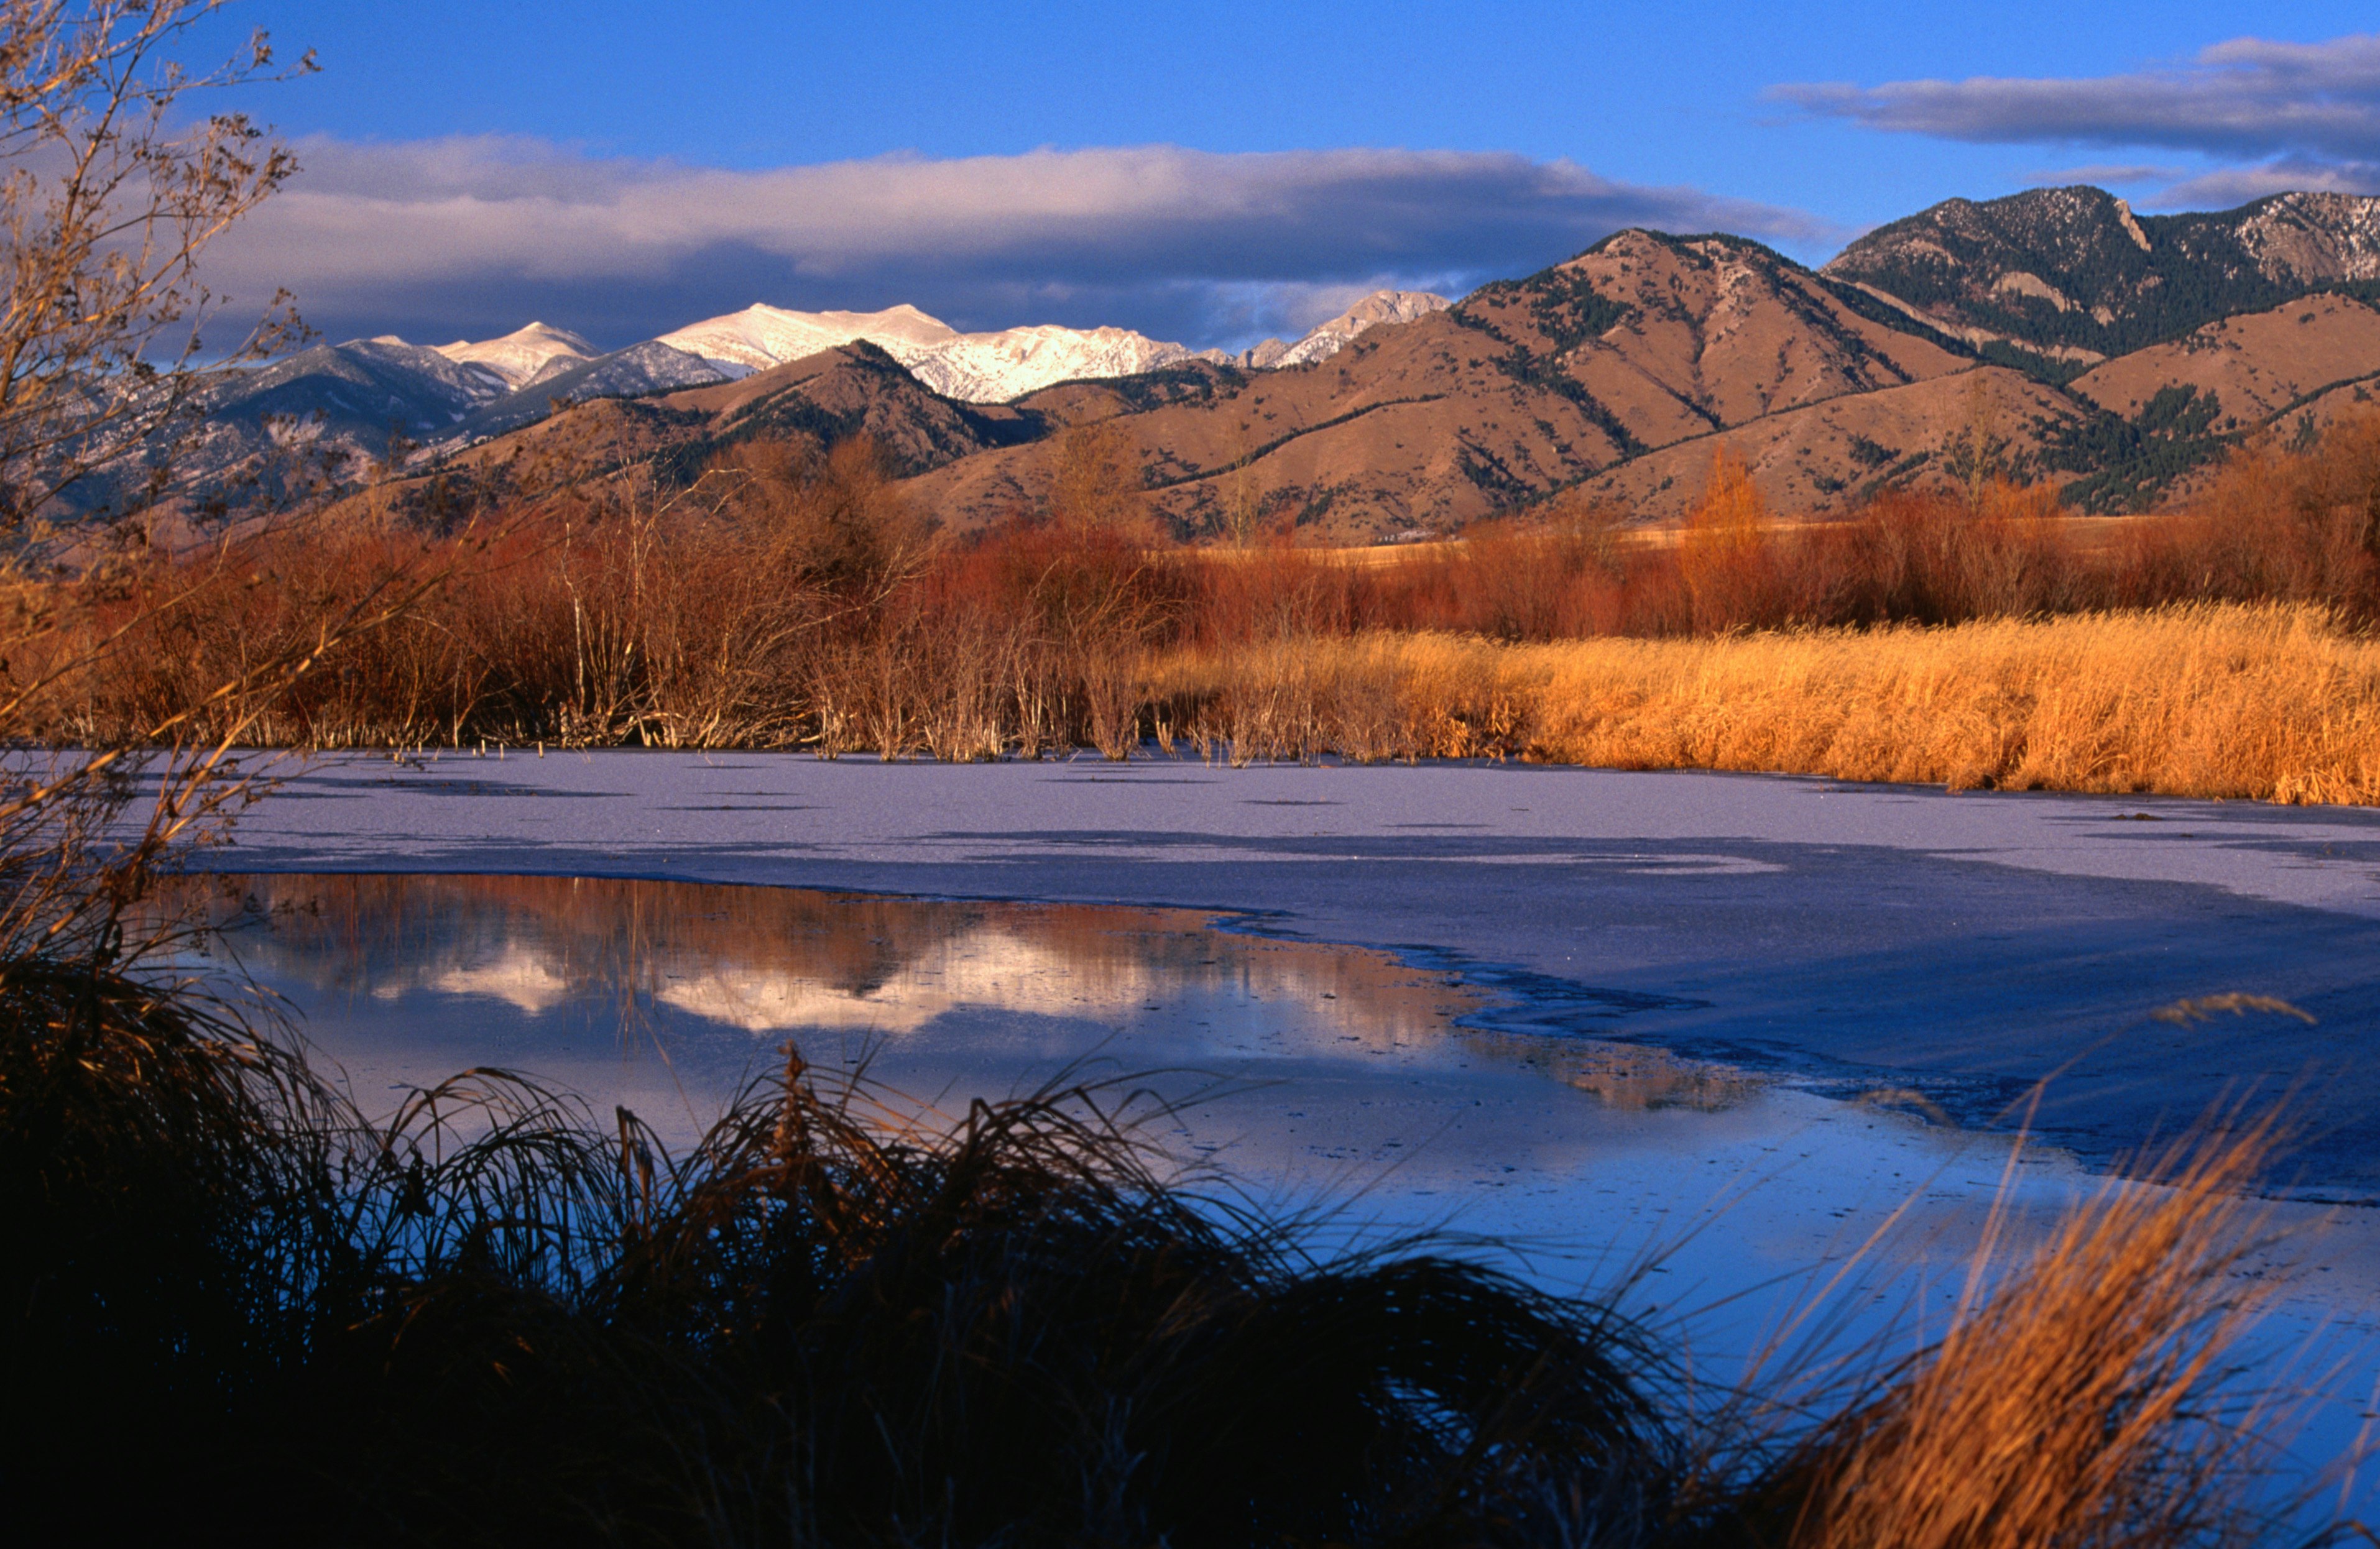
(2264, 702)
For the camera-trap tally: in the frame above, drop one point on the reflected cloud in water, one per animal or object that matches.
(1322, 1073)
(643, 991)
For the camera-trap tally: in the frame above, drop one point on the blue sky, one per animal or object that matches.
(1211, 172)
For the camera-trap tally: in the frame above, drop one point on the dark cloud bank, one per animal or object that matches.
(2287, 115)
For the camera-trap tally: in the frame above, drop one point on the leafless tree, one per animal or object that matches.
(1095, 480)
(110, 191)
(1242, 490)
(1977, 452)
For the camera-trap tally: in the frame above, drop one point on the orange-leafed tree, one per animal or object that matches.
(1724, 552)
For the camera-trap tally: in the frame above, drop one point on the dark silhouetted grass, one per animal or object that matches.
(490, 1319)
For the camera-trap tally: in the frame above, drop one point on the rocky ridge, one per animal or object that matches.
(2074, 276)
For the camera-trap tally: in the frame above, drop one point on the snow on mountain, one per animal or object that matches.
(1327, 339)
(522, 355)
(979, 368)
(373, 387)
(762, 336)
(530, 368)
(333, 411)
(993, 367)
(628, 373)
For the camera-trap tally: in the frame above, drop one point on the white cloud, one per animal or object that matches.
(488, 231)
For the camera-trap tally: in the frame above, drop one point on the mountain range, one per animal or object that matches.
(2053, 335)
(339, 411)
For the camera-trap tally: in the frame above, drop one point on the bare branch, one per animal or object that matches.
(108, 197)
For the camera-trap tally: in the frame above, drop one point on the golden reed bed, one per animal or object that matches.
(2271, 703)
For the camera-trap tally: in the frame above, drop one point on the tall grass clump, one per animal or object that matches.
(2073, 1401)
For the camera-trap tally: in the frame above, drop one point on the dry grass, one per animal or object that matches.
(2270, 702)
(2076, 1402)
(790, 599)
(1045, 641)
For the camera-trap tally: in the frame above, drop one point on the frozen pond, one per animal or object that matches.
(1963, 946)
(1314, 1074)
(1401, 1096)
(1584, 1016)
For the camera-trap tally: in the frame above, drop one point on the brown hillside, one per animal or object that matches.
(1076, 402)
(856, 390)
(2257, 365)
(1529, 385)
(1618, 372)
(1399, 430)
(1681, 337)
(2321, 410)
(598, 436)
(1827, 456)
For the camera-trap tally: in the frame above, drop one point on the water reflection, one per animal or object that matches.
(1650, 1079)
(666, 996)
(1351, 1075)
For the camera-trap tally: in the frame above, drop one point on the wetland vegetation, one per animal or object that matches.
(237, 1305)
(792, 599)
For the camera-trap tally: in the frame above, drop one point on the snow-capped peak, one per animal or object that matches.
(991, 367)
(982, 368)
(761, 337)
(520, 354)
(1382, 306)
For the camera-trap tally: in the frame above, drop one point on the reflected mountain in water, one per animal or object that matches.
(584, 980)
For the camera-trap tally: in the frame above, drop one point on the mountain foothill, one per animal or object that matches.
(2053, 336)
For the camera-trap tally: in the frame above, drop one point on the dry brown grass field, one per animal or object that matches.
(2268, 702)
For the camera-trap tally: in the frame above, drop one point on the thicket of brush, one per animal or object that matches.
(236, 1309)
(792, 598)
